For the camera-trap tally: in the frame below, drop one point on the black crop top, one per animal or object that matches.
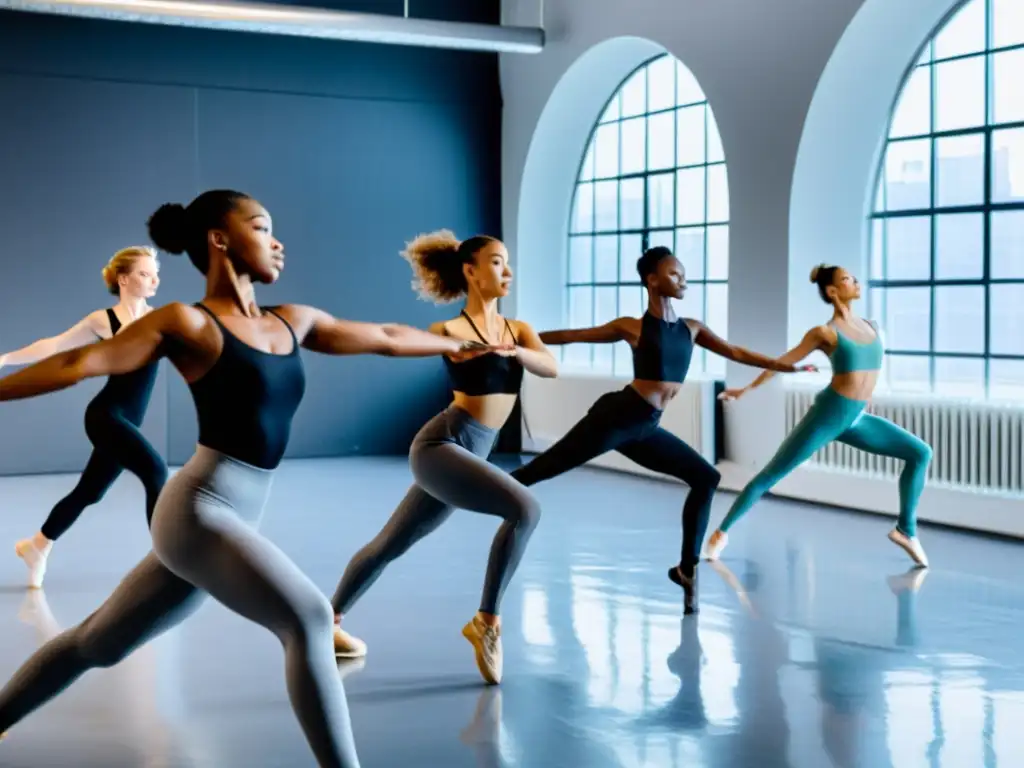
(246, 401)
(489, 374)
(128, 392)
(663, 351)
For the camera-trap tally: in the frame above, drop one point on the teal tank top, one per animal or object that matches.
(850, 355)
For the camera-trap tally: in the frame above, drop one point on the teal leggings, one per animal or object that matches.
(834, 417)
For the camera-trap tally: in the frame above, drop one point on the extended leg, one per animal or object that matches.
(147, 602)
(99, 474)
(123, 441)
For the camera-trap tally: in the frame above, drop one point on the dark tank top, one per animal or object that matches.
(130, 392)
(489, 374)
(245, 403)
(663, 351)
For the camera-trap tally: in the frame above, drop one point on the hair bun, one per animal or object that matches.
(814, 273)
(168, 228)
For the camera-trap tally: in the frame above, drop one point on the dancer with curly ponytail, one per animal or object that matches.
(840, 413)
(113, 418)
(449, 455)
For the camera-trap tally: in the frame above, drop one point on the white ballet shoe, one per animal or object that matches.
(347, 646)
(910, 545)
(35, 559)
(716, 544)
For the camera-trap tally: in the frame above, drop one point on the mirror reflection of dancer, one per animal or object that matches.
(113, 418)
(839, 413)
(243, 367)
(627, 421)
(448, 456)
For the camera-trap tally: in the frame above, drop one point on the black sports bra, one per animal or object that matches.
(246, 401)
(489, 374)
(663, 351)
(130, 392)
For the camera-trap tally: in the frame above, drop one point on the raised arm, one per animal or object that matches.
(85, 331)
(616, 330)
(709, 340)
(140, 343)
(812, 341)
(531, 352)
(331, 336)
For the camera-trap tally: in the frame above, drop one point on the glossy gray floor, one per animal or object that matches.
(815, 645)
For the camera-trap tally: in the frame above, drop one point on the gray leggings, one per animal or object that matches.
(448, 460)
(205, 542)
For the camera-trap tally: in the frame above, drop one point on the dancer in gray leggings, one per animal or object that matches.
(243, 367)
(449, 455)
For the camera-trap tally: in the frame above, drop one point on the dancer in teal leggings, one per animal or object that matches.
(840, 413)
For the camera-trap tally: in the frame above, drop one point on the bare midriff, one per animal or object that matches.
(490, 410)
(658, 393)
(855, 385)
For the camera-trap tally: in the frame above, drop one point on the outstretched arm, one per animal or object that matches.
(138, 344)
(531, 352)
(83, 332)
(812, 341)
(616, 330)
(332, 336)
(710, 341)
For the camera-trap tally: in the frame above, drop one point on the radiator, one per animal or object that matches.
(977, 445)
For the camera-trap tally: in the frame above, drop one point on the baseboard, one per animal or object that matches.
(953, 506)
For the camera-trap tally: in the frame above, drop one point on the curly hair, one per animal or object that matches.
(436, 259)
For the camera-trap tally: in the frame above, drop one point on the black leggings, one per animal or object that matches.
(625, 422)
(117, 445)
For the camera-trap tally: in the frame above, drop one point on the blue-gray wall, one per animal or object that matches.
(353, 148)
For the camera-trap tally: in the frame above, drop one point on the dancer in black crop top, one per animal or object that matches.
(113, 417)
(628, 421)
(245, 373)
(449, 455)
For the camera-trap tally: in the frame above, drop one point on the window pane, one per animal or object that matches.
(1008, 85)
(718, 252)
(580, 262)
(605, 310)
(660, 141)
(630, 247)
(960, 94)
(960, 376)
(876, 305)
(908, 248)
(634, 145)
(631, 200)
(690, 251)
(606, 154)
(958, 245)
(912, 115)
(583, 209)
(1006, 307)
(908, 174)
(606, 258)
(688, 90)
(1008, 165)
(581, 307)
(602, 358)
(613, 111)
(661, 204)
(960, 318)
(908, 374)
(634, 94)
(660, 237)
(963, 33)
(718, 193)
(661, 84)
(1006, 379)
(715, 151)
(692, 304)
(1007, 23)
(623, 360)
(690, 196)
(960, 170)
(631, 301)
(1007, 242)
(577, 356)
(690, 135)
(587, 168)
(908, 318)
(718, 309)
(877, 249)
(880, 193)
(606, 205)
(926, 54)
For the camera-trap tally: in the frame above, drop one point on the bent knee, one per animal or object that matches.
(923, 454)
(523, 510)
(311, 616)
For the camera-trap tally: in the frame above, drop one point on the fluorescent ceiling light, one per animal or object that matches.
(299, 21)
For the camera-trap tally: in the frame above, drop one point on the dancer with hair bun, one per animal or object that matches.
(839, 412)
(628, 421)
(449, 455)
(243, 367)
(113, 418)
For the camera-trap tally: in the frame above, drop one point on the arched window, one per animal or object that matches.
(653, 174)
(947, 233)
